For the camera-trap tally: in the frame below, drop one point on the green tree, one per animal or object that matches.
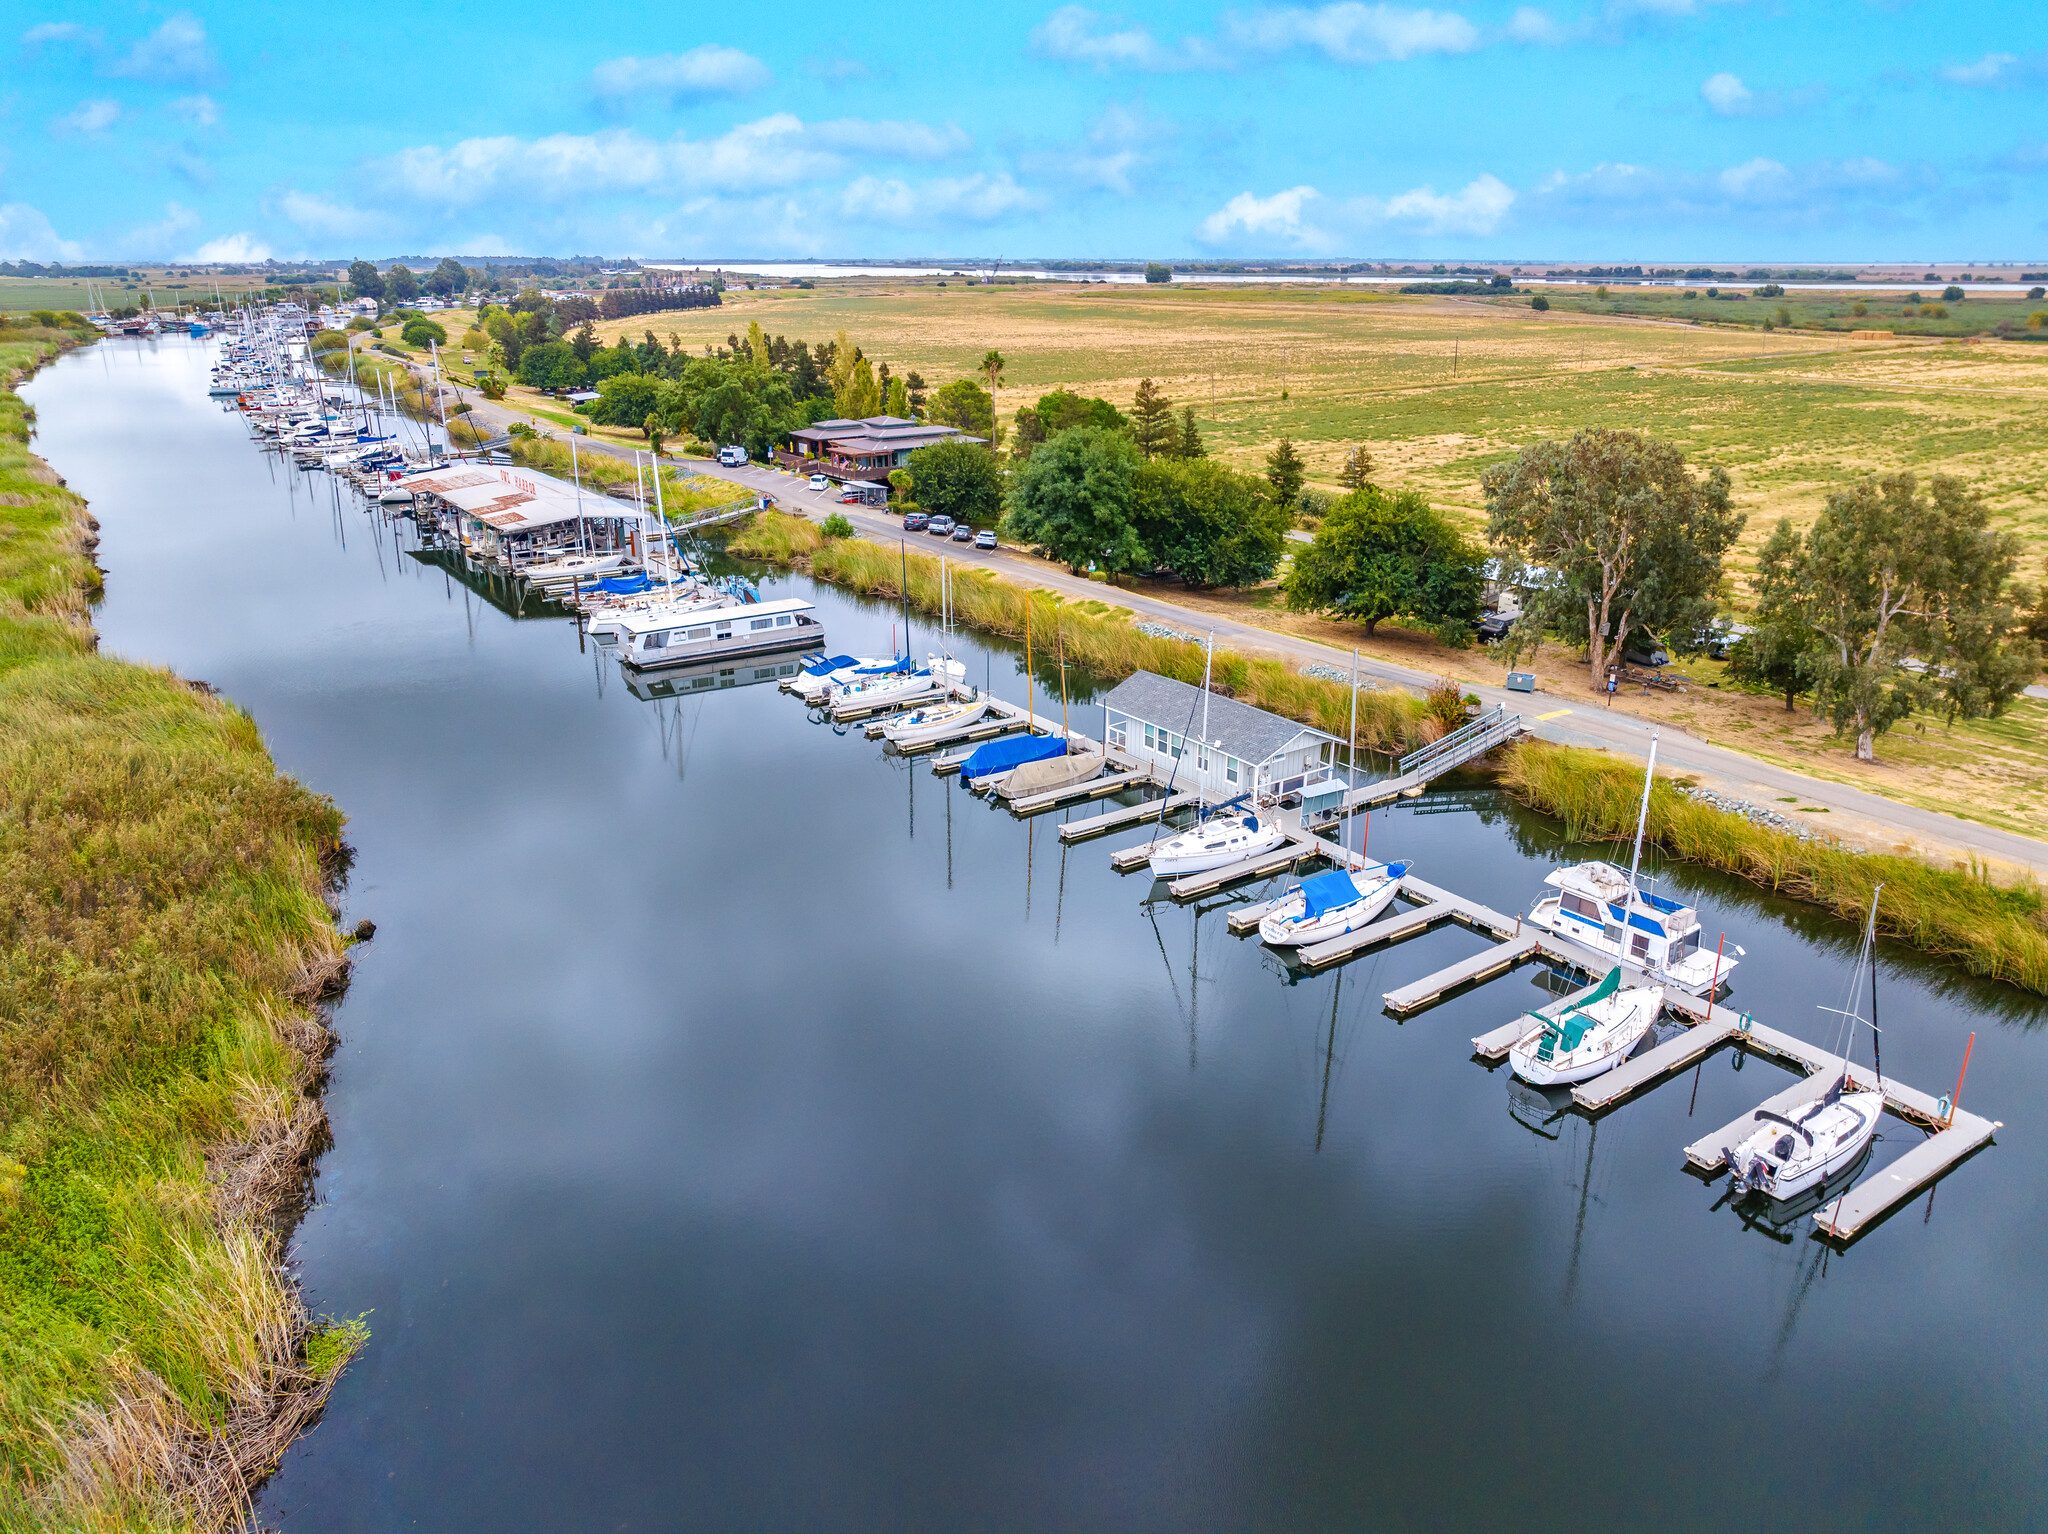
(1074, 499)
(836, 526)
(898, 402)
(903, 482)
(1152, 425)
(1358, 467)
(1953, 294)
(401, 286)
(551, 365)
(991, 368)
(1285, 472)
(1628, 536)
(625, 399)
(508, 335)
(1211, 525)
(1190, 444)
(960, 480)
(655, 430)
(1890, 572)
(364, 280)
(1157, 272)
(330, 349)
(1380, 554)
(419, 330)
(447, 279)
(584, 342)
(965, 404)
(1539, 303)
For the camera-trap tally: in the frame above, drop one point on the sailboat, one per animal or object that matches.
(1600, 907)
(1814, 1140)
(1331, 904)
(1055, 774)
(1592, 1035)
(1230, 832)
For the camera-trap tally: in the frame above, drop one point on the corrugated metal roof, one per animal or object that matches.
(1247, 733)
(512, 500)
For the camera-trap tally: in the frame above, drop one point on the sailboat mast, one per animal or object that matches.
(582, 532)
(1643, 815)
(1351, 761)
(903, 562)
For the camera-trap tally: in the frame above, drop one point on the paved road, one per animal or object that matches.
(1572, 719)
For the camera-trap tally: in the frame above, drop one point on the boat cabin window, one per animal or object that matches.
(1639, 944)
(784, 620)
(1579, 905)
(761, 623)
(657, 641)
(702, 633)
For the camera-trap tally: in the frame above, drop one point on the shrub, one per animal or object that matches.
(836, 526)
(491, 386)
(419, 331)
(361, 323)
(1539, 303)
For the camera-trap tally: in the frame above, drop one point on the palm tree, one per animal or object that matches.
(992, 369)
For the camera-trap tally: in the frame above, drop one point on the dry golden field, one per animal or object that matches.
(1440, 388)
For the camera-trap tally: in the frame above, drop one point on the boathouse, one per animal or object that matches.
(1240, 750)
(518, 515)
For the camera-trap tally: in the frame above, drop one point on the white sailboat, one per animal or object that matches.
(1332, 904)
(1600, 907)
(1230, 832)
(1593, 1035)
(1812, 1141)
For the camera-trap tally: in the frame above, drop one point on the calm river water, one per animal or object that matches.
(738, 1128)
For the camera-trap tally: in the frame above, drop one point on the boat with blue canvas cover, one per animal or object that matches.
(1332, 904)
(999, 757)
(1592, 1035)
(819, 676)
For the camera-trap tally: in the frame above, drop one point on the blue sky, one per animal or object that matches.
(1586, 129)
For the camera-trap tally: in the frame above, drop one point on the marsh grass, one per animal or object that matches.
(163, 934)
(1094, 635)
(1954, 913)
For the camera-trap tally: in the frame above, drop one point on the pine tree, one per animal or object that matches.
(1358, 467)
(1285, 472)
(1152, 420)
(1190, 439)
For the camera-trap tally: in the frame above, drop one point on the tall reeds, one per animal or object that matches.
(1953, 913)
(163, 937)
(1105, 643)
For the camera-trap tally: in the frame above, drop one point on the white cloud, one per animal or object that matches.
(157, 239)
(897, 140)
(1248, 217)
(710, 69)
(1760, 192)
(1529, 25)
(1108, 158)
(774, 151)
(46, 33)
(1726, 94)
(89, 118)
(1477, 209)
(1351, 33)
(176, 50)
(322, 215)
(232, 250)
(1985, 71)
(25, 235)
(978, 198)
(1756, 180)
(201, 110)
(1073, 34)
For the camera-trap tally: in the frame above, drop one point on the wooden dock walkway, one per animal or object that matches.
(1123, 819)
(1878, 1193)
(1316, 957)
(1080, 793)
(1280, 859)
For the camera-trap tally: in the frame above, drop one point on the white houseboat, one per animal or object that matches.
(654, 641)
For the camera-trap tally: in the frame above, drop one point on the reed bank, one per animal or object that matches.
(167, 938)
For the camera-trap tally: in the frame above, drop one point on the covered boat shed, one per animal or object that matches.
(519, 516)
(1243, 750)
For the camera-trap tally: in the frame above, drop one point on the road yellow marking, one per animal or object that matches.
(1553, 714)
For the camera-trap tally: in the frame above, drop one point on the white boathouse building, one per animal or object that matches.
(1242, 750)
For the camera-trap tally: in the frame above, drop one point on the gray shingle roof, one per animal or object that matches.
(1247, 733)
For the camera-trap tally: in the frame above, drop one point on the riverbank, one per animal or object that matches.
(1955, 914)
(1095, 634)
(165, 942)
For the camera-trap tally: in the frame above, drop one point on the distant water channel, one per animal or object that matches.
(738, 1128)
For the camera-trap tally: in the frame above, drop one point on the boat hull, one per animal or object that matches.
(1602, 1050)
(1838, 1157)
(1278, 930)
(1172, 864)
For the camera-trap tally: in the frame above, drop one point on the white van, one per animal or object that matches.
(732, 457)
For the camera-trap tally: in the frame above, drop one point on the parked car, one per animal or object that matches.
(985, 539)
(940, 527)
(1493, 626)
(963, 534)
(1644, 651)
(1722, 637)
(732, 456)
(820, 482)
(915, 522)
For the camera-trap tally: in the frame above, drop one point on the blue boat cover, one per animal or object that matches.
(820, 665)
(900, 663)
(1002, 755)
(1328, 892)
(623, 585)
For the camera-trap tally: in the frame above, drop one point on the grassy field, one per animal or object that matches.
(163, 938)
(1442, 388)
